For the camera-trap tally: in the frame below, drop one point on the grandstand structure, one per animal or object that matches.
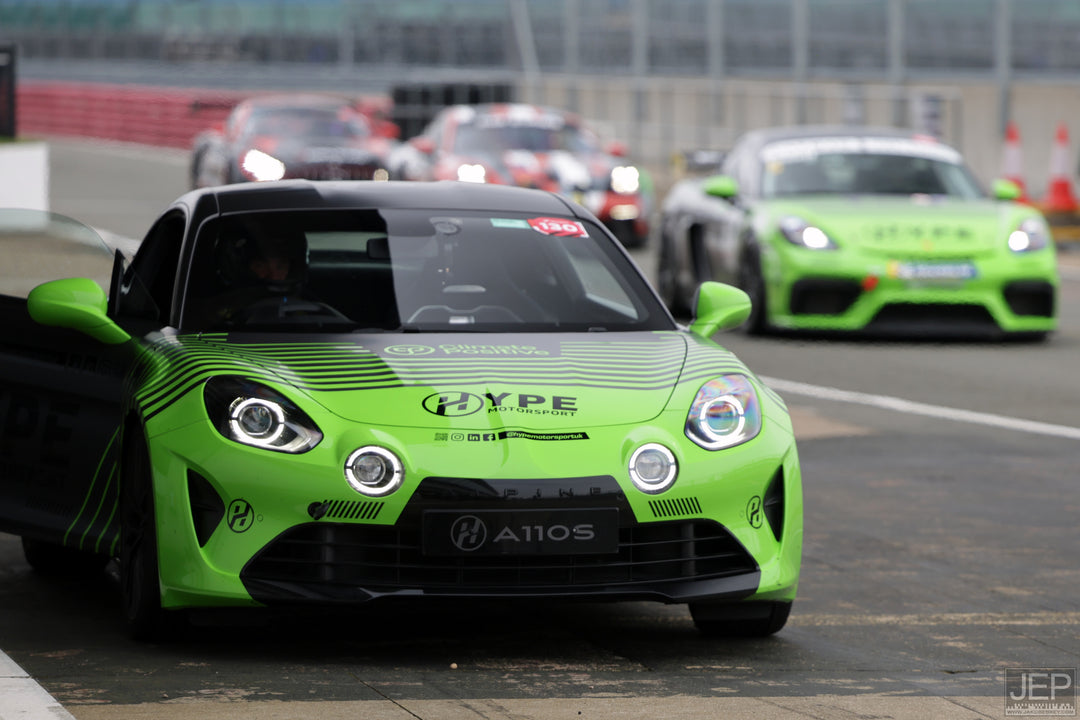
(663, 75)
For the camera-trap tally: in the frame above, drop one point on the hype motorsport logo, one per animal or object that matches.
(459, 403)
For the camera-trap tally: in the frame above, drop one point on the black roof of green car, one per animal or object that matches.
(328, 194)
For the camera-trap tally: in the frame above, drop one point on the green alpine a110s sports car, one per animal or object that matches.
(335, 393)
(875, 230)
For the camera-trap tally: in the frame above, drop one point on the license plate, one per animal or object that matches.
(592, 531)
(929, 271)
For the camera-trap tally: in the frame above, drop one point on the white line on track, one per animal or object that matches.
(911, 407)
(22, 698)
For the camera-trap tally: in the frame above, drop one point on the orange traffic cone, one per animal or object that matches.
(1012, 161)
(1060, 197)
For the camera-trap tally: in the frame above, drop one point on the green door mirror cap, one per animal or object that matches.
(719, 307)
(75, 303)
(1004, 189)
(721, 186)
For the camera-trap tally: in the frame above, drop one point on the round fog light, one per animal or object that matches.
(374, 471)
(653, 468)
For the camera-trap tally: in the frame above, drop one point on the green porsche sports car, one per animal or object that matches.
(337, 393)
(860, 229)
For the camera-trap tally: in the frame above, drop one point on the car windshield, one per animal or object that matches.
(483, 139)
(851, 166)
(305, 122)
(413, 271)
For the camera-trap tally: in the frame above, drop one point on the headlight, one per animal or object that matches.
(725, 413)
(254, 414)
(625, 179)
(1031, 235)
(261, 166)
(472, 173)
(374, 471)
(653, 468)
(799, 232)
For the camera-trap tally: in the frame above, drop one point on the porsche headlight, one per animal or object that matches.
(725, 413)
(799, 232)
(472, 173)
(261, 166)
(1032, 234)
(625, 179)
(374, 471)
(253, 414)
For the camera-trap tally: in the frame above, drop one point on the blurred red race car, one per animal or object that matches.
(314, 137)
(531, 146)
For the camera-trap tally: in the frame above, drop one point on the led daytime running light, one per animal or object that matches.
(726, 412)
(374, 471)
(257, 421)
(653, 468)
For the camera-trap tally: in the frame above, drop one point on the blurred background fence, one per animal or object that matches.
(663, 75)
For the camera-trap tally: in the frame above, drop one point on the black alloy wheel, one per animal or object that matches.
(753, 283)
(667, 277)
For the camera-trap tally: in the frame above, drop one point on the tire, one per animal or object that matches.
(701, 266)
(139, 578)
(735, 620)
(667, 273)
(753, 283)
(53, 560)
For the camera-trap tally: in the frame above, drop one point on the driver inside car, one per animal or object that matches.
(258, 277)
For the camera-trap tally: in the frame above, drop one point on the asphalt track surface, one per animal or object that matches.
(941, 549)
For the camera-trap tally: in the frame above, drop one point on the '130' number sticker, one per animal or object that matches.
(558, 226)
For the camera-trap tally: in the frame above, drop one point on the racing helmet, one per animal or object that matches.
(273, 259)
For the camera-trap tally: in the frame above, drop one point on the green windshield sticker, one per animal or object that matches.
(509, 223)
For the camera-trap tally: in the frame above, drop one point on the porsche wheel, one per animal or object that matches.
(667, 273)
(139, 580)
(747, 620)
(753, 283)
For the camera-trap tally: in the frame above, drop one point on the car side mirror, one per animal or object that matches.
(719, 307)
(76, 303)
(1006, 190)
(721, 186)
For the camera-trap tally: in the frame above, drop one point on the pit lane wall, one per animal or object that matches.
(162, 117)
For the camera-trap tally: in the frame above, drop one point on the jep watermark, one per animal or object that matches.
(1040, 692)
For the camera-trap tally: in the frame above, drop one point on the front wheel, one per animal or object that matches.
(752, 282)
(667, 277)
(715, 618)
(139, 579)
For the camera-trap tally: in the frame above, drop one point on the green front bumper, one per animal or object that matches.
(847, 290)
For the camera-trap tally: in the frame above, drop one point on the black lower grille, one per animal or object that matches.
(1033, 298)
(380, 557)
(928, 316)
(823, 296)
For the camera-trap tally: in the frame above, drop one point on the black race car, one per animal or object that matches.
(305, 136)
